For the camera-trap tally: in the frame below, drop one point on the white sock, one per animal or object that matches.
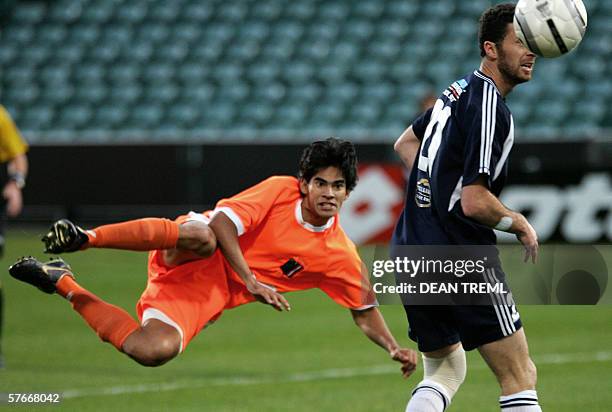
(524, 401)
(427, 398)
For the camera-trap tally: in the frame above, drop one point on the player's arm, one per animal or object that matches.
(478, 203)
(407, 146)
(372, 324)
(18, 171)
(227, 240)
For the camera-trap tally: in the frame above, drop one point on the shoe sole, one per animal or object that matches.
(30, 271)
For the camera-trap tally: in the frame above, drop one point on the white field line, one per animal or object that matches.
(340, 373)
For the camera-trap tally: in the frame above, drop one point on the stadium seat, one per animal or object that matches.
(403, 9)
(20, 35)
(199, 94)
(91, 93)
(39, 116)
(29, 13)
(76, 114)
(337, 11)
(109, 116)
(133, 13)
(67, 13)
(124, 94)
(291, 116)
(183, 115)
(300, 10)
(218, 114)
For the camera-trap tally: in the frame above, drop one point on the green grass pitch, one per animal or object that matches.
(255, 359)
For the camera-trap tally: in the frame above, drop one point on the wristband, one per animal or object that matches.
(19, 179)
(504, 224)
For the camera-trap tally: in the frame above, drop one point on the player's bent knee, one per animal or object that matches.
(162, 351)
(208, 242)
(154, 353)
(445, 374)
(153, 345)
(197, 237)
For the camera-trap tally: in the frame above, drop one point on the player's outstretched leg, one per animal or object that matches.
(193, 237)
(151, 345)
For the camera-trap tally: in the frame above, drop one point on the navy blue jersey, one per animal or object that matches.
(467, 134)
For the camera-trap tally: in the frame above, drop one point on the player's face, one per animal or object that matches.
(515, 62)
(323, 195)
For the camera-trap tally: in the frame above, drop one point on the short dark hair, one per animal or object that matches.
(330, 152)
(493, 23)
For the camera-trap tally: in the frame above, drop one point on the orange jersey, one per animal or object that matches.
(281, 249)
(289, 254)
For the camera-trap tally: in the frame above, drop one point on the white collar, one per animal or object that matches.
(486, 79)
(308, 226)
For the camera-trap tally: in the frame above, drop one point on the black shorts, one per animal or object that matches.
(434, 327)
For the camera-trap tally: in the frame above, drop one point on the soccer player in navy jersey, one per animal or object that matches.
(458, 152)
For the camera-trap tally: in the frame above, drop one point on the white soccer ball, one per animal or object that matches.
(550, 28)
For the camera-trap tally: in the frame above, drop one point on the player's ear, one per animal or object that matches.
(490, 49)
(303, 186)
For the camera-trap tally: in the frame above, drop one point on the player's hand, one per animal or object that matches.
(266, 294)
(407, 357)
(529, 238)
(14, 199)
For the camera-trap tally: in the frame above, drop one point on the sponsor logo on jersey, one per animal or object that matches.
(454, 90)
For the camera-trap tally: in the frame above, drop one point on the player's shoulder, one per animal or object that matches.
(282, 180)
(481, 93)
(280, 188)
(477, 85)
(282, 183)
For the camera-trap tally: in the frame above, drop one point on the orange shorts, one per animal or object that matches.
(191, 295)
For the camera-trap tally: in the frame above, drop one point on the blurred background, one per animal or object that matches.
(273, 71)
(139, 107)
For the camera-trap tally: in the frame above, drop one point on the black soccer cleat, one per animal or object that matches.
(64, 236)
(42, 275)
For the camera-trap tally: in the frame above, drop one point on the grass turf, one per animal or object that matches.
(256, 359)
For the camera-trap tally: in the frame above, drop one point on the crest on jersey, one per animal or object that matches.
(291, 267)
(423, 193)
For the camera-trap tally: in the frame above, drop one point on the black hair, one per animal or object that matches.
(493, 23)
(330, 152)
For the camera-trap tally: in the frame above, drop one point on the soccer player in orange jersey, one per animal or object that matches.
(278, 236)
